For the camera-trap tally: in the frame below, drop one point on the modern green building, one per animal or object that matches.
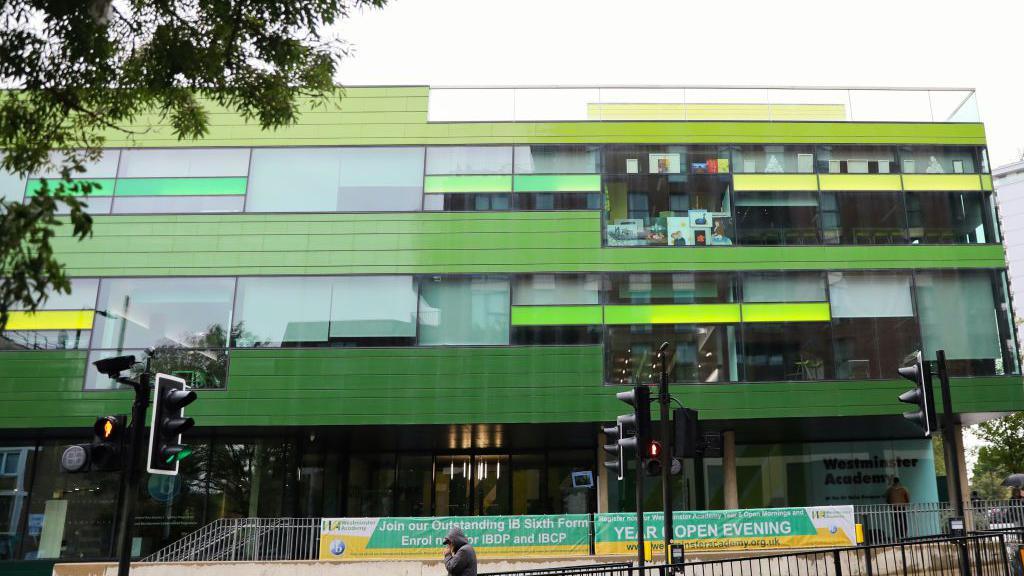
(421, 302)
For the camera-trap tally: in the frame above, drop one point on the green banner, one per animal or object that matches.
(755, 529)
(495, 536)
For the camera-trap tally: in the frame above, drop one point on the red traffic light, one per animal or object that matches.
(654, 449)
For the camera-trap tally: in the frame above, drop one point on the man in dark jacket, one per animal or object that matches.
(459, 556)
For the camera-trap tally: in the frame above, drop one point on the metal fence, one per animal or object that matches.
(258, 539)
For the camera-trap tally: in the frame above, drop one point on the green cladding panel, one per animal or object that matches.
(556, 315)
(438, 242)
(672, 314)
(444, 385)
(180, 186)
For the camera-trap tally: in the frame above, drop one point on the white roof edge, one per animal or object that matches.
(1007, 169)
(694, 86)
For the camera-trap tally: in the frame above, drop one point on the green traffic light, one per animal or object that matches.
(184, 454)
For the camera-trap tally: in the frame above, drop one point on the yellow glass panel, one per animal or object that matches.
(941, 182)
(51, 320)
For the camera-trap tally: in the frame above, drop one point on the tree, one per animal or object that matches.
(74, 71)
(1003, 451)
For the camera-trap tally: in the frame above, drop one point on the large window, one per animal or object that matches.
(873, 322)
(857, 160)
(773, 158)
(325, 311)
(942, 160)
(335, 180)
(863, 218)
(771, 218)
(547, 159)
(705, 353)
(469, 160)
(671, 288)
(790, 351)
(950, 217)
(184, 163)
(62, 322)
(668, 209)
(965, 313)
(761, 287)
(464, 310)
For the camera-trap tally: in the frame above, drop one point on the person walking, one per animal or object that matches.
(459, 556)
(898, 496)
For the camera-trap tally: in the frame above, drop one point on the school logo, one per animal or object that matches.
(338, 547)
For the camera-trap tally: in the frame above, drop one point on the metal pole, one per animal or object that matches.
(952, 462)
(138, 425)
(666, 452)
(639, 508)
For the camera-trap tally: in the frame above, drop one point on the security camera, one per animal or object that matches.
(112, 367)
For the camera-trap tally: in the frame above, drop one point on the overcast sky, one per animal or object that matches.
(786, 43)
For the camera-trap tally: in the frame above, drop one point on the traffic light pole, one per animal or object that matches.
(664, 399)
(952, 461)
(640, 559)
(135, 448)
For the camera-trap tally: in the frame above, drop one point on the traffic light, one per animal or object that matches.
(103, 454)
(920, 395)
(169, 422)
(640, 399)
(652, 458)
(689, 442)
(617, 460)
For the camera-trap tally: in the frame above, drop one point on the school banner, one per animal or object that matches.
(755, 529)
(421, 538)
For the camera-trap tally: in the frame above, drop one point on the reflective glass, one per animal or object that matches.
(414, 485)
(200, 368)
(492, 485)
(12, 186)
(183, 162)
(863, 218)
(547, 159)
(772, 218)
(556, 335)
(81, 297)
(772, 159)
(698, 353)
(958, 314)
(547, 289)
(784, 287)
(950, 217)
(44, 339)
(380, 179)
(842, 159)
(668, 210)
(467, 310)
(564, 497)
(528, 471)
(163, 312)
(454, 475)
(670, 288)
(868, 347)
(104, 167)
(793, 351)
(177, 204)
(941, 160)
(371, 307)
(469, 160)
(371, 485)
(557, 201)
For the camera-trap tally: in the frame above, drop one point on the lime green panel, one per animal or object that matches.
(787, 312)
(557, 183)
(463, 184)
(672, 314)
(772, 182)
(180, 187)
(986, 182)
(102, 186)
(860, 181)
(555, 315)
(941, 182)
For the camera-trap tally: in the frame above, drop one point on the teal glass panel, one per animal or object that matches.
(464, 311)
(271, 312)
(180, 187)
(784, 287)
(958, 315)
(373, 307)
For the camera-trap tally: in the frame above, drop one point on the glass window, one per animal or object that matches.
(784, 287)
(183, 162)
(557, 201)
(325, 311)
(81, 297)
(545, 159)
(645, 159)
(699, 353)
(671, 288)
(414, 485)
(103, 167)
(772, 218)
(528, 484)
(792, 351)
(873, 323)
(44, 339)
(668, 210)
(492, 486)
(863, 218)
(464, 311)
(12, 186)
(958, 314)
(857, 160)
(709, 160)
(177, 204)
(950, 217)
(452, 485)
(163, 312)
(467, 202)
(92, 204)
(556, 335)
(941, 160)
(548, 289)
(469, 160)
(371, 485)
(335, 179)
(773, 158)
(563, 496)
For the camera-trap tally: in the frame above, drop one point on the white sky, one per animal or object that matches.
(892, 43)
(908, 43)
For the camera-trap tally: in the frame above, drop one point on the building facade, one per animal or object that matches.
(1009, 184)
(422, 302)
